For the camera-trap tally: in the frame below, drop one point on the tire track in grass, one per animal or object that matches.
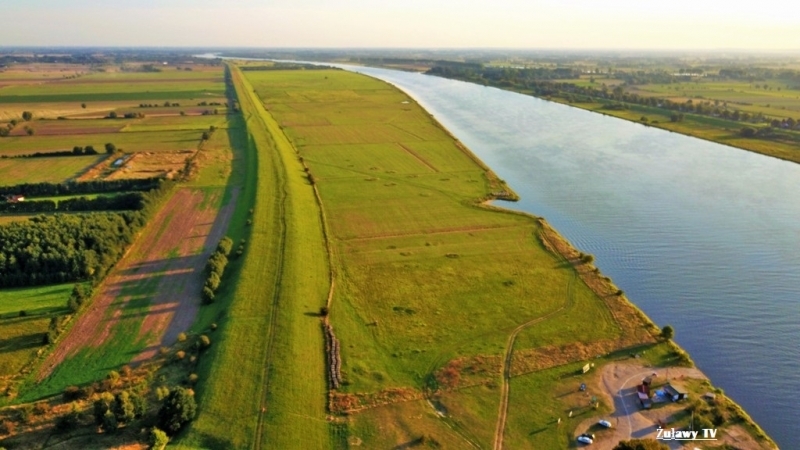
(505, 388)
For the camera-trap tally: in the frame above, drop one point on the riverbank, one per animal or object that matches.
(713, 129)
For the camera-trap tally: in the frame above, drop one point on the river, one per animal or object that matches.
(701, 236)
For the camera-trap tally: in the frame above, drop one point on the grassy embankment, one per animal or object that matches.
(426, 276)
(270, 353)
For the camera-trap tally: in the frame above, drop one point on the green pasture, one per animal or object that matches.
(21, 335)
(408, 425)
(424, 273)
(270, 350)
(538, 400)
(142, 141)
(37, 170)
(34, 300)
(176, 123)
(20, 339)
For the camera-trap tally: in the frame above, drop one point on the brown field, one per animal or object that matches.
(162, 269)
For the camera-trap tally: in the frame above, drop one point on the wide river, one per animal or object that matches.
(699, 235)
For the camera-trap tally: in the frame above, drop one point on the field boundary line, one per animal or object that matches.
(419, 158)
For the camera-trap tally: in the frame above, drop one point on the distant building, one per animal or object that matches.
(676, 393)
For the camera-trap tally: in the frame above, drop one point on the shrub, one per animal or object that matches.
(109, 422)
(68, 421)
(182, 337)
(178, 410)
(204, 342)
(158, 439)
(72, 393)
(667, 332)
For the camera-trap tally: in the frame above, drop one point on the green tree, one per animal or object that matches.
(109, 422)
(83, 105)
(27, 116)
(110, 148)
(124, 409)
(667, 332)
(641, 444)
(158, 439)
(178, 410)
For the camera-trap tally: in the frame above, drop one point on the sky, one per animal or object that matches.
(567, 24)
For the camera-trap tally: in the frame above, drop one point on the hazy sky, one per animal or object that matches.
(671, 24)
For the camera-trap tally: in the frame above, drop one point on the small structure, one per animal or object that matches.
(586, 368)
(15, 198)
(674, 392)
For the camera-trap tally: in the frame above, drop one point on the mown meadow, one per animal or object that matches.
(425, 274)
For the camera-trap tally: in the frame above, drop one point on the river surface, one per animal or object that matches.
(701, 236)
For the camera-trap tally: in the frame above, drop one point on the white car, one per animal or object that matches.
(585, 439)
(605, 423)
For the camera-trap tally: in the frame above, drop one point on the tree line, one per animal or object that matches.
(128, 201)
(82, 187)
(527, 80)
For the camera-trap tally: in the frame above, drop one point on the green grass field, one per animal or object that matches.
(35, 300)
(143, 141)
(272, 319)
(21, 336)
(424, 274)
(37, 170)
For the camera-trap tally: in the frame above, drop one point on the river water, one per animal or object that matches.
(701, 236)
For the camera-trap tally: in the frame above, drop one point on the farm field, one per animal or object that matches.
(25, 315)
(153, 295)
(36, 170)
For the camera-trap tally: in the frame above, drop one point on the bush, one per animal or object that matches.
(68, 421)
(110, 148)
(641, 444)
(667, 332)
(204, 342)
(158, 439)
(72, 393)
(109, 422)
(178, 410)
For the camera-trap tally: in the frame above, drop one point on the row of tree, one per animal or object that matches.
(83, 187)
(529, 80)
(215, 268)
(129, 201)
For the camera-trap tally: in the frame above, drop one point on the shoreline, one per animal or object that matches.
(646, 124)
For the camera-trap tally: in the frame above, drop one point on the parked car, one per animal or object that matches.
(585, 439)
(605, 423)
